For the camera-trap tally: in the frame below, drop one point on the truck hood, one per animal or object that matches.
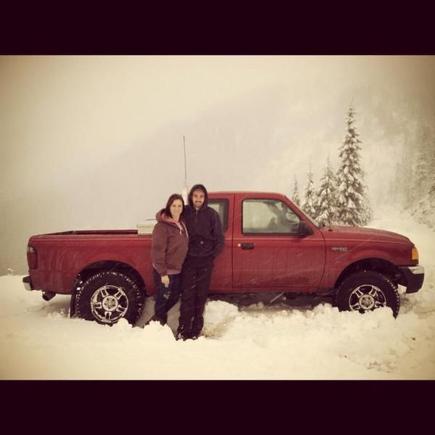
(362, 233)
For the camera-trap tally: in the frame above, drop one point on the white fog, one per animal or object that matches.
(96, 141)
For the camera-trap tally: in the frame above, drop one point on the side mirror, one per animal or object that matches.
(304, 229)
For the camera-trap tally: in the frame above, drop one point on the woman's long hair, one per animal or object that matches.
(171, 199)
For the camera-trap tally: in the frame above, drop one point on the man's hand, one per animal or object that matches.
(165, 280)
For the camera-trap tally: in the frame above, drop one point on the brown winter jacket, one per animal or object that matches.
(169, 246)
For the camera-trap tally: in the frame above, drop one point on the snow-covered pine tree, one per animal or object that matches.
(327, 197)
(423, 199)
(421, 168)
(295, 195)
(352, 204)
(405, 173)
(401, 189)
(431, 176)
(309, 205)
(431, 205)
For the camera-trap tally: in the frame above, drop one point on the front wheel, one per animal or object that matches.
(107, 297)
(367, 291)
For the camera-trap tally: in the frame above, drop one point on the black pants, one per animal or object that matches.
(195, 283)
(166, 297)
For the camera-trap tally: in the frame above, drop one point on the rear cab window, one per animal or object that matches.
(221, 206)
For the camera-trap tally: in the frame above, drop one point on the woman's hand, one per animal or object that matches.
(165, 280)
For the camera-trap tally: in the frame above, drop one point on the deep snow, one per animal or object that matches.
(39, 341)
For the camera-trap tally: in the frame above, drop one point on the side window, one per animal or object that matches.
(268, 216)
(221, 206)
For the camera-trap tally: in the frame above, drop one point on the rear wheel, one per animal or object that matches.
(107, 297)
(367, 291)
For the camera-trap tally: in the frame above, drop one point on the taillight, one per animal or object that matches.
(32, 257)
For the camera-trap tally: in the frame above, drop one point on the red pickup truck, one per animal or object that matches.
(271, 247)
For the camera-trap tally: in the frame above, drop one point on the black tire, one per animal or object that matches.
(107, 297)
(366, 291)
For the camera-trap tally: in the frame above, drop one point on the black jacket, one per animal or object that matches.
(206, 238)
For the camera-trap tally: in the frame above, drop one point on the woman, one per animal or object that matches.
(169, 249)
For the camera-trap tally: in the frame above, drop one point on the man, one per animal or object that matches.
(206, 241)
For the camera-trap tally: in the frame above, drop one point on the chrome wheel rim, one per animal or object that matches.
(109, 303)
(367, 297)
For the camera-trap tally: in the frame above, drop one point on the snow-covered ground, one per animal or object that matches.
(39, 341)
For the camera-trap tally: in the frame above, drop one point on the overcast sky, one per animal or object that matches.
(96, 141)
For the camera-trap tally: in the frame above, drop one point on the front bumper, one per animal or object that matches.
(413, 277)
(27, 283)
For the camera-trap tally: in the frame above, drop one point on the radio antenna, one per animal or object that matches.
(185, 163)
(185, 171)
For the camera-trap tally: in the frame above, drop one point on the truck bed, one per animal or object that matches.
(92, 233)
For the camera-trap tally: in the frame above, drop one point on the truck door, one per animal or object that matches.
(269, 253)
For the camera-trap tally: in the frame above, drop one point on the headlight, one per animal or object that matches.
(414, 255)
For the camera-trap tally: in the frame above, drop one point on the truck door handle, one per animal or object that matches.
(246, 245)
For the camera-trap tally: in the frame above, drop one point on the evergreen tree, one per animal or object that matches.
(295, 195)
(309, 205)
(352, 204)
(401, 188)
(327, 198)
(423, 205)
(422, 169)
(431, 175)
(405, 171)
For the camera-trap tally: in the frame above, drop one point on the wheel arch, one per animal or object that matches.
(370, 264)
(110, 265)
